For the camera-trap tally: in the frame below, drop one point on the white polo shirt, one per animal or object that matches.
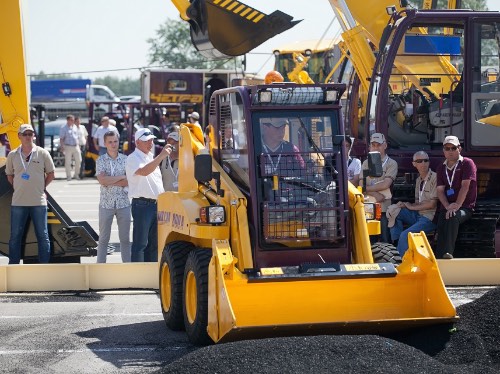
(149, 186)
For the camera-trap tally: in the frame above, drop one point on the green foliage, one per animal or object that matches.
(172, 48)
(120, 87)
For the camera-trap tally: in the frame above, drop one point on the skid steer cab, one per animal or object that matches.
(265, 236)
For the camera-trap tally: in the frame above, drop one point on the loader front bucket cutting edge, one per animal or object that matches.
(241, 308)
(222, 29)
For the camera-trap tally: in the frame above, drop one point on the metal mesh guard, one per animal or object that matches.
(301, 200)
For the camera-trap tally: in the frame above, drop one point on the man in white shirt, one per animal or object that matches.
(98, 136)
(353, 163)
(69, 139)
(145, 184)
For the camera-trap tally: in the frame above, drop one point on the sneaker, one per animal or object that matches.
(448, 256)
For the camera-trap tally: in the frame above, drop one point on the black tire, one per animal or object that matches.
(196, 296)
(385, 252)
(173, 261)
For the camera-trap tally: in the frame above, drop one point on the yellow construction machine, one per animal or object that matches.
(265, 236)
(417, 76)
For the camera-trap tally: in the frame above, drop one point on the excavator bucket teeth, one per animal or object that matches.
(222, 29)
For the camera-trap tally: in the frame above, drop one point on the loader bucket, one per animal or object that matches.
(357, 299)
(221, 29)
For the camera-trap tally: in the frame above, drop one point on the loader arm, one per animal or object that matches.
(221, 29)
(14, 110)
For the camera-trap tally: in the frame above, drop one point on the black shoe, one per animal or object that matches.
(448, 256)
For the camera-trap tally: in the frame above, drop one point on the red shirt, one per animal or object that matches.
(465, 169)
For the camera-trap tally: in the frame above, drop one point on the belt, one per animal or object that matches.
(71, 145)
(152, 201)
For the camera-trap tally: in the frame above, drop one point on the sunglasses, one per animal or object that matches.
(450, 148)
(27, 134)
(147, 133)
(421, 160)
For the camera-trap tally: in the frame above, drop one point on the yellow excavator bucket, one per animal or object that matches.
(273, 303)
(222, 28)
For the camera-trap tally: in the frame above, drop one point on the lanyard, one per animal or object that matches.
(273, 166)
(421, 191)
(176, 175)
(30, 156)
(385, 162)
(450, 181)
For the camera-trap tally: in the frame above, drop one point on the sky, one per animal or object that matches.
(95, 38)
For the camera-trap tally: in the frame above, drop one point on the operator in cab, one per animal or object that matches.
(274, 146)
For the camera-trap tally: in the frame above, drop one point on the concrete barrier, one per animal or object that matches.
(85, 277)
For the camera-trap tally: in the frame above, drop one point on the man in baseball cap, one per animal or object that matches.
(379, 189)
(457, 192)
(29, 169)
(144, 186)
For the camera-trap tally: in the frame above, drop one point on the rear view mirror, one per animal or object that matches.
(203, 168)
(375, 165)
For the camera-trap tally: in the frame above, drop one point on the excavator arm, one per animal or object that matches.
(14, 109)
(224, 28)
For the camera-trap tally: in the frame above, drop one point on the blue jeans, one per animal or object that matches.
(145, 231)
(18, 219)
(416, 223)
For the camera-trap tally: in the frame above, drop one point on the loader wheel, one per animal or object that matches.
(385, 252)
(196, 296)
(173, 260)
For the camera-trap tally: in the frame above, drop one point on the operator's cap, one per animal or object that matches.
(173, 135)
(144, 134)
(377, 137)
(451, 139)
(275, 122)
(25, 127)
(391, 214)
(194, 115)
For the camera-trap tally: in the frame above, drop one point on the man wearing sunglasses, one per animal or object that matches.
(457, 193)
(417, 216)
(29, 170)
(145, 184)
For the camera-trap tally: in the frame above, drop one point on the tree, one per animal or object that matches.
(172, 47)
(126, 86)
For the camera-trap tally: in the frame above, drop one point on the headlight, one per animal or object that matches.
(214, 214)
(373, 211)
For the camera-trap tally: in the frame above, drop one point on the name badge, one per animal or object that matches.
(25, 176)
(450, 192)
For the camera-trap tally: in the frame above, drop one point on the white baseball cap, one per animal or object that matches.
(451, 139)
(173, 135)
(144, 134)
(25, 127)
(195, 115)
